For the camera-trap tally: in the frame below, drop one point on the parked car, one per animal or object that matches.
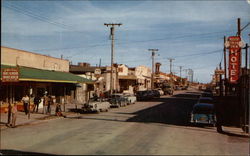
(177, 88)
(118, 100)
(94, 105)
(143, 95)
(206, 100)
(131, 98)
(203, 113)
(168, 90)
(155, 93)
(160, 91)
(207, 94)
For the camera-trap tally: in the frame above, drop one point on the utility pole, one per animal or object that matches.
(221, 91)
(100, 62)
(112, 36)
(180, 74)
(190, 75)
(239, 29)
(170, 69)
(225, 65)
(153, 63)
(180, 70)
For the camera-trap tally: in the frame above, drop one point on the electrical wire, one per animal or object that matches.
(40, 18)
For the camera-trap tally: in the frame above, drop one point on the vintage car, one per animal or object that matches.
(118, 100)
(144, 95)
(168, 90)
(203, 113)
(131, 98)
(206, 100)
(160, 91)
(207, 94)
(155, 93)
(96, 105)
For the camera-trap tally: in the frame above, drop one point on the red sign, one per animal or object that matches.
(10, 75)
(234, 58)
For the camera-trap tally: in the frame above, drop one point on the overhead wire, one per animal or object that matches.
(40, 18)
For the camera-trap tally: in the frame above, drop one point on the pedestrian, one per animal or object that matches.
(14, 115)
(95, 97)
(102, 96)
(37, 100)
(58, 110)
(50, 101)
(45, 104)
(25, 100)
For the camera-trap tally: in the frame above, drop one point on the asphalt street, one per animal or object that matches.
(157, 127)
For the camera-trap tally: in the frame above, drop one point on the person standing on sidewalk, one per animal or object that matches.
(25, 100)
(37, 100)
(14, 115)
(50, 101)
(45, 104)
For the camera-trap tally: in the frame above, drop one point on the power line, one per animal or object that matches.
(40, 18)
(178, 37)
(196, 54)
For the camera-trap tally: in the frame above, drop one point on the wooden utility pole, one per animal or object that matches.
(153, 62)
(221, 91)
(225, 65)
(180, 70)
(180, 74)
(246, 61)
(112, 35)
(170, 70)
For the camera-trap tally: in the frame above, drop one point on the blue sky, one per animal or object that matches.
(75, 30)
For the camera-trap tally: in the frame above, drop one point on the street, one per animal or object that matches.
(157, 127)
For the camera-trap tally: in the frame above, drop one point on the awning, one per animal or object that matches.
(127, 77)
(39, 75)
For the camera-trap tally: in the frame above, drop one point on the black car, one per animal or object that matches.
(168, 90)
(207, 94)
(143, 95)
(156, 93)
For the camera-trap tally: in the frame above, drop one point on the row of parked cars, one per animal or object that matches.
(104, 104)
(204, 110)
(149, 94)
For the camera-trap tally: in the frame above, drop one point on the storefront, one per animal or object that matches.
(62, 86)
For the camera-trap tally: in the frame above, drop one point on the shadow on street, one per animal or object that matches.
(18, 152)
(175, 110)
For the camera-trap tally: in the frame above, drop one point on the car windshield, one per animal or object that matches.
(203, 109)
(206, 101)
(207, 95)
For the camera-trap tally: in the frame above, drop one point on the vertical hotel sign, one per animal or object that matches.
(234, 44)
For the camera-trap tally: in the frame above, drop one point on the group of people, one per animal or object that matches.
(46, 100)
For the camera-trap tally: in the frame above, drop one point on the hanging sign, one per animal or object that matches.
(10, 75)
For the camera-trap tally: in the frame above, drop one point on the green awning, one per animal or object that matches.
(39, 75)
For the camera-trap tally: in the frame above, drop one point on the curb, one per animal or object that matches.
(36, 121)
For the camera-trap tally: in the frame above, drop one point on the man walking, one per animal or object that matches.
(25, 100)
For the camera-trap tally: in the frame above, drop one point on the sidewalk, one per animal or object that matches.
(23, 120)
(234, 131)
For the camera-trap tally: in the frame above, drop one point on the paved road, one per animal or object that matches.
(146, 128)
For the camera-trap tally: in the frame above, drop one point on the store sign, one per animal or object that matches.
(10, 75)
(97, 71)
(234, 58)
(219, 72)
